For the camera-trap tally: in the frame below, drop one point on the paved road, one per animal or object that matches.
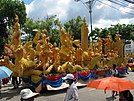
(85, 94)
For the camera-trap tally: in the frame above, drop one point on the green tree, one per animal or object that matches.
(74, 27)
(126, 32)
(112, 32)
(104, 32)
(8, 9)
(94, 34)
(50, 25)
(28, 28)
(3, 36)
(11, 7)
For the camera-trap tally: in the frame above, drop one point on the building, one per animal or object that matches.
(129, 46)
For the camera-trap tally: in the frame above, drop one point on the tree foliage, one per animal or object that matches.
(48, 25)
(126, 32)
(51, 24)
(74, 27)
(11, 7)
(8, 9)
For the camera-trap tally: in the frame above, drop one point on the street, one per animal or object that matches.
(85, 94)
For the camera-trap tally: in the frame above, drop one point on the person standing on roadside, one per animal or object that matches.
(115, 71)
(115, 74)
(72, 91)
(126, 68)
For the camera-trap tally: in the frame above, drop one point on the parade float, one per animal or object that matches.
(41, 63)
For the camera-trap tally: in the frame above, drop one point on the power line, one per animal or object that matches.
(83, 4)
(89, 5)
(113, 7)
(94, 3)
(120, 4)
(130, 1)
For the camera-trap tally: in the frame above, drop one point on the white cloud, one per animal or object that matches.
(103, 4)
(28, 8)
(102, 23)
(124, 21)
(60, 8)
(102, 14)
(43, 8)
(127, 9)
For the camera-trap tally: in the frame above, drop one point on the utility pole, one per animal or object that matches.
(88, 5)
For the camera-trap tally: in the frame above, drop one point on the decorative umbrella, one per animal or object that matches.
(111, 83)
(4, 72)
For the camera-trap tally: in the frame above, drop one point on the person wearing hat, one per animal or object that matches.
(27, 95)
(72, 91)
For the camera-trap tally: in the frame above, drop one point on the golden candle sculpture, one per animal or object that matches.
(84, 37)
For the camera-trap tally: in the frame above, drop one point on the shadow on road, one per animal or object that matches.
(10, 93)
(54, 92)
(110, 98)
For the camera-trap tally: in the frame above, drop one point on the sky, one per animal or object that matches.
(104, 12)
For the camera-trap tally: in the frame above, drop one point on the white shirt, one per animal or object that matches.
(114, 72)
(72, 93)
